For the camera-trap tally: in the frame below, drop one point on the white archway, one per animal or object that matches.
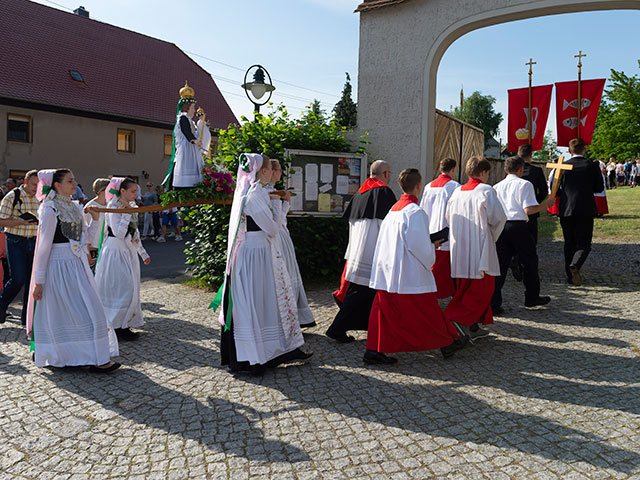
(411, 36)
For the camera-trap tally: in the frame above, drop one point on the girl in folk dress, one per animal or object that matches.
(69, 326)
(305, 316)
(260, 315)
(118, 269)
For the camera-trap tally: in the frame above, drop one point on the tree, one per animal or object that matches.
(478, 111)
(346, 111)
(548, 143)
(617, 130)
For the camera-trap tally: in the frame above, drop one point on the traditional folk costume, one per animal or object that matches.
(68, 326)
(434, 201)
(305, 316)
(118, 268)
(476, 219)
(516, 194)
(365, 212)
(260, 315)
(602, 206)
(405, 316)
(555, 209)
(185, 169)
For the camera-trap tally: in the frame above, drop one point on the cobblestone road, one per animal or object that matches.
(554, 393)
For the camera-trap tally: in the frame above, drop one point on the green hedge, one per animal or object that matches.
(320, 243)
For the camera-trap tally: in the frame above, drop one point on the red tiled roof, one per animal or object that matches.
(373, 4)
(126, 73)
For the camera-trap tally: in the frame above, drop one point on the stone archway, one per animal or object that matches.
(410, 37)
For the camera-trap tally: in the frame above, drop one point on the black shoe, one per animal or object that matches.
(341, 337)
(298, 354)
(3, 315)
(114, 366)
(257, 370)
(457, 344)
(497, 310)
(537, 302)
(335, 299)
(575, 275)
(126, 335)
(372, 357)
(308, 325)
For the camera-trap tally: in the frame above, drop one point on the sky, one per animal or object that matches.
(308, 45)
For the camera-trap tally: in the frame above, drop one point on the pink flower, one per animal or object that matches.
(218, 189)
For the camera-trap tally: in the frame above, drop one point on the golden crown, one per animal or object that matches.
(187, 91)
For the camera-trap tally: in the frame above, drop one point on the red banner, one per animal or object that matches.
(567, 110)
(519, 122)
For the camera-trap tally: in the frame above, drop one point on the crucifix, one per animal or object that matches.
(579, 57)
(559, 167)
(531, 63)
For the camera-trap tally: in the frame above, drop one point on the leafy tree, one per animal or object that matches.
(548, 143)
(316, 109)
(478, 111)
(617, 130)
(346, 111)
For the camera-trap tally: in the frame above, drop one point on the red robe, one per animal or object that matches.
(471, 302)
(408, 322)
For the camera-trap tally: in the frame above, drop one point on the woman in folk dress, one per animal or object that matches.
(67, 322)
(118, 269)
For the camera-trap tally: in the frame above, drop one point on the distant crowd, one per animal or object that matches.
(618, 174)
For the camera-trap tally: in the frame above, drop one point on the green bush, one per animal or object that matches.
(320, 242)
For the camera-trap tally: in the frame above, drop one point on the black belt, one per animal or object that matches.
(516, 221)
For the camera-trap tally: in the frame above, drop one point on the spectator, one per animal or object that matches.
(157, 215)
(611, 173)
(149, 198)
(170, 217)
(10, 184)
(79, 195)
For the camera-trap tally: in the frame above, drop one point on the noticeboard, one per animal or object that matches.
(323, 182)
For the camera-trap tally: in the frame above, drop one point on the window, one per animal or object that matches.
(18, 128)
(126, 140)
(76, 76)
(168, 145)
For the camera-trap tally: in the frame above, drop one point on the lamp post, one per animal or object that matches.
(256, 90)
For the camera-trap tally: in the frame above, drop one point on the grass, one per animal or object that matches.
(621, 224)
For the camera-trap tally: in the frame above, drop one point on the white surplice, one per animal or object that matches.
(476, 219)
(118, 271)
(94, 240)
(404, 253)
(363, 234)
(70, 327)
(187, 169)
(258, 326)
(434, 202)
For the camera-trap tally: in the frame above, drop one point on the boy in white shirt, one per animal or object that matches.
(518, 200)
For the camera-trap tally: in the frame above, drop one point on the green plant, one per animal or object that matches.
(319, 242)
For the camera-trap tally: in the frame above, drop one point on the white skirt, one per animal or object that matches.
(118, 280)
(188, 166)
(305, 316)
(257, 327)
(69, 325)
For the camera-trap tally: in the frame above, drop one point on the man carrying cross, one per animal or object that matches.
(578, 208)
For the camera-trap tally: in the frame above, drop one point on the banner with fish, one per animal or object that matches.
(567, 109)
(519, 122)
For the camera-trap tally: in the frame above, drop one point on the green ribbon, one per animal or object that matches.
(32, 347)
(101, 239)
(46, 189)
(115, 192)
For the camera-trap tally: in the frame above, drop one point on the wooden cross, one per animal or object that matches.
(559, 167)
(531, 63)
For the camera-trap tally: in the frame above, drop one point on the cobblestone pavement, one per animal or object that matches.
(554, 393)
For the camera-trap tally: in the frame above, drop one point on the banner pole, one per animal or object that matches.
(579, 57)
(531, 63)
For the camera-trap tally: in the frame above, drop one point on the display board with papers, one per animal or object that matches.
(323, 182)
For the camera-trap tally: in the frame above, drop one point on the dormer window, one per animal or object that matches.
(76, 76)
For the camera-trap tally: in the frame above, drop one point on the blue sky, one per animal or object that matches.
(312, 43)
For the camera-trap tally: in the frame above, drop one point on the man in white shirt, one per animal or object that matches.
(518, 200)
(434, 201)
(476, 219)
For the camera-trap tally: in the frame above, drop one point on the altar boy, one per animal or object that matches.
(405, 316)
(476, 219)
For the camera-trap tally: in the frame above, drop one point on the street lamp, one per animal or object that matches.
(258, 87)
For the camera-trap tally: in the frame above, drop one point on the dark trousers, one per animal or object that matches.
(355, 310)
(532, 226)
(578, 233)
(156, 223)
(20, 252)
(516, 239)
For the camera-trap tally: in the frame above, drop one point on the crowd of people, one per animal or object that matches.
(403, 257)
(618, 174)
